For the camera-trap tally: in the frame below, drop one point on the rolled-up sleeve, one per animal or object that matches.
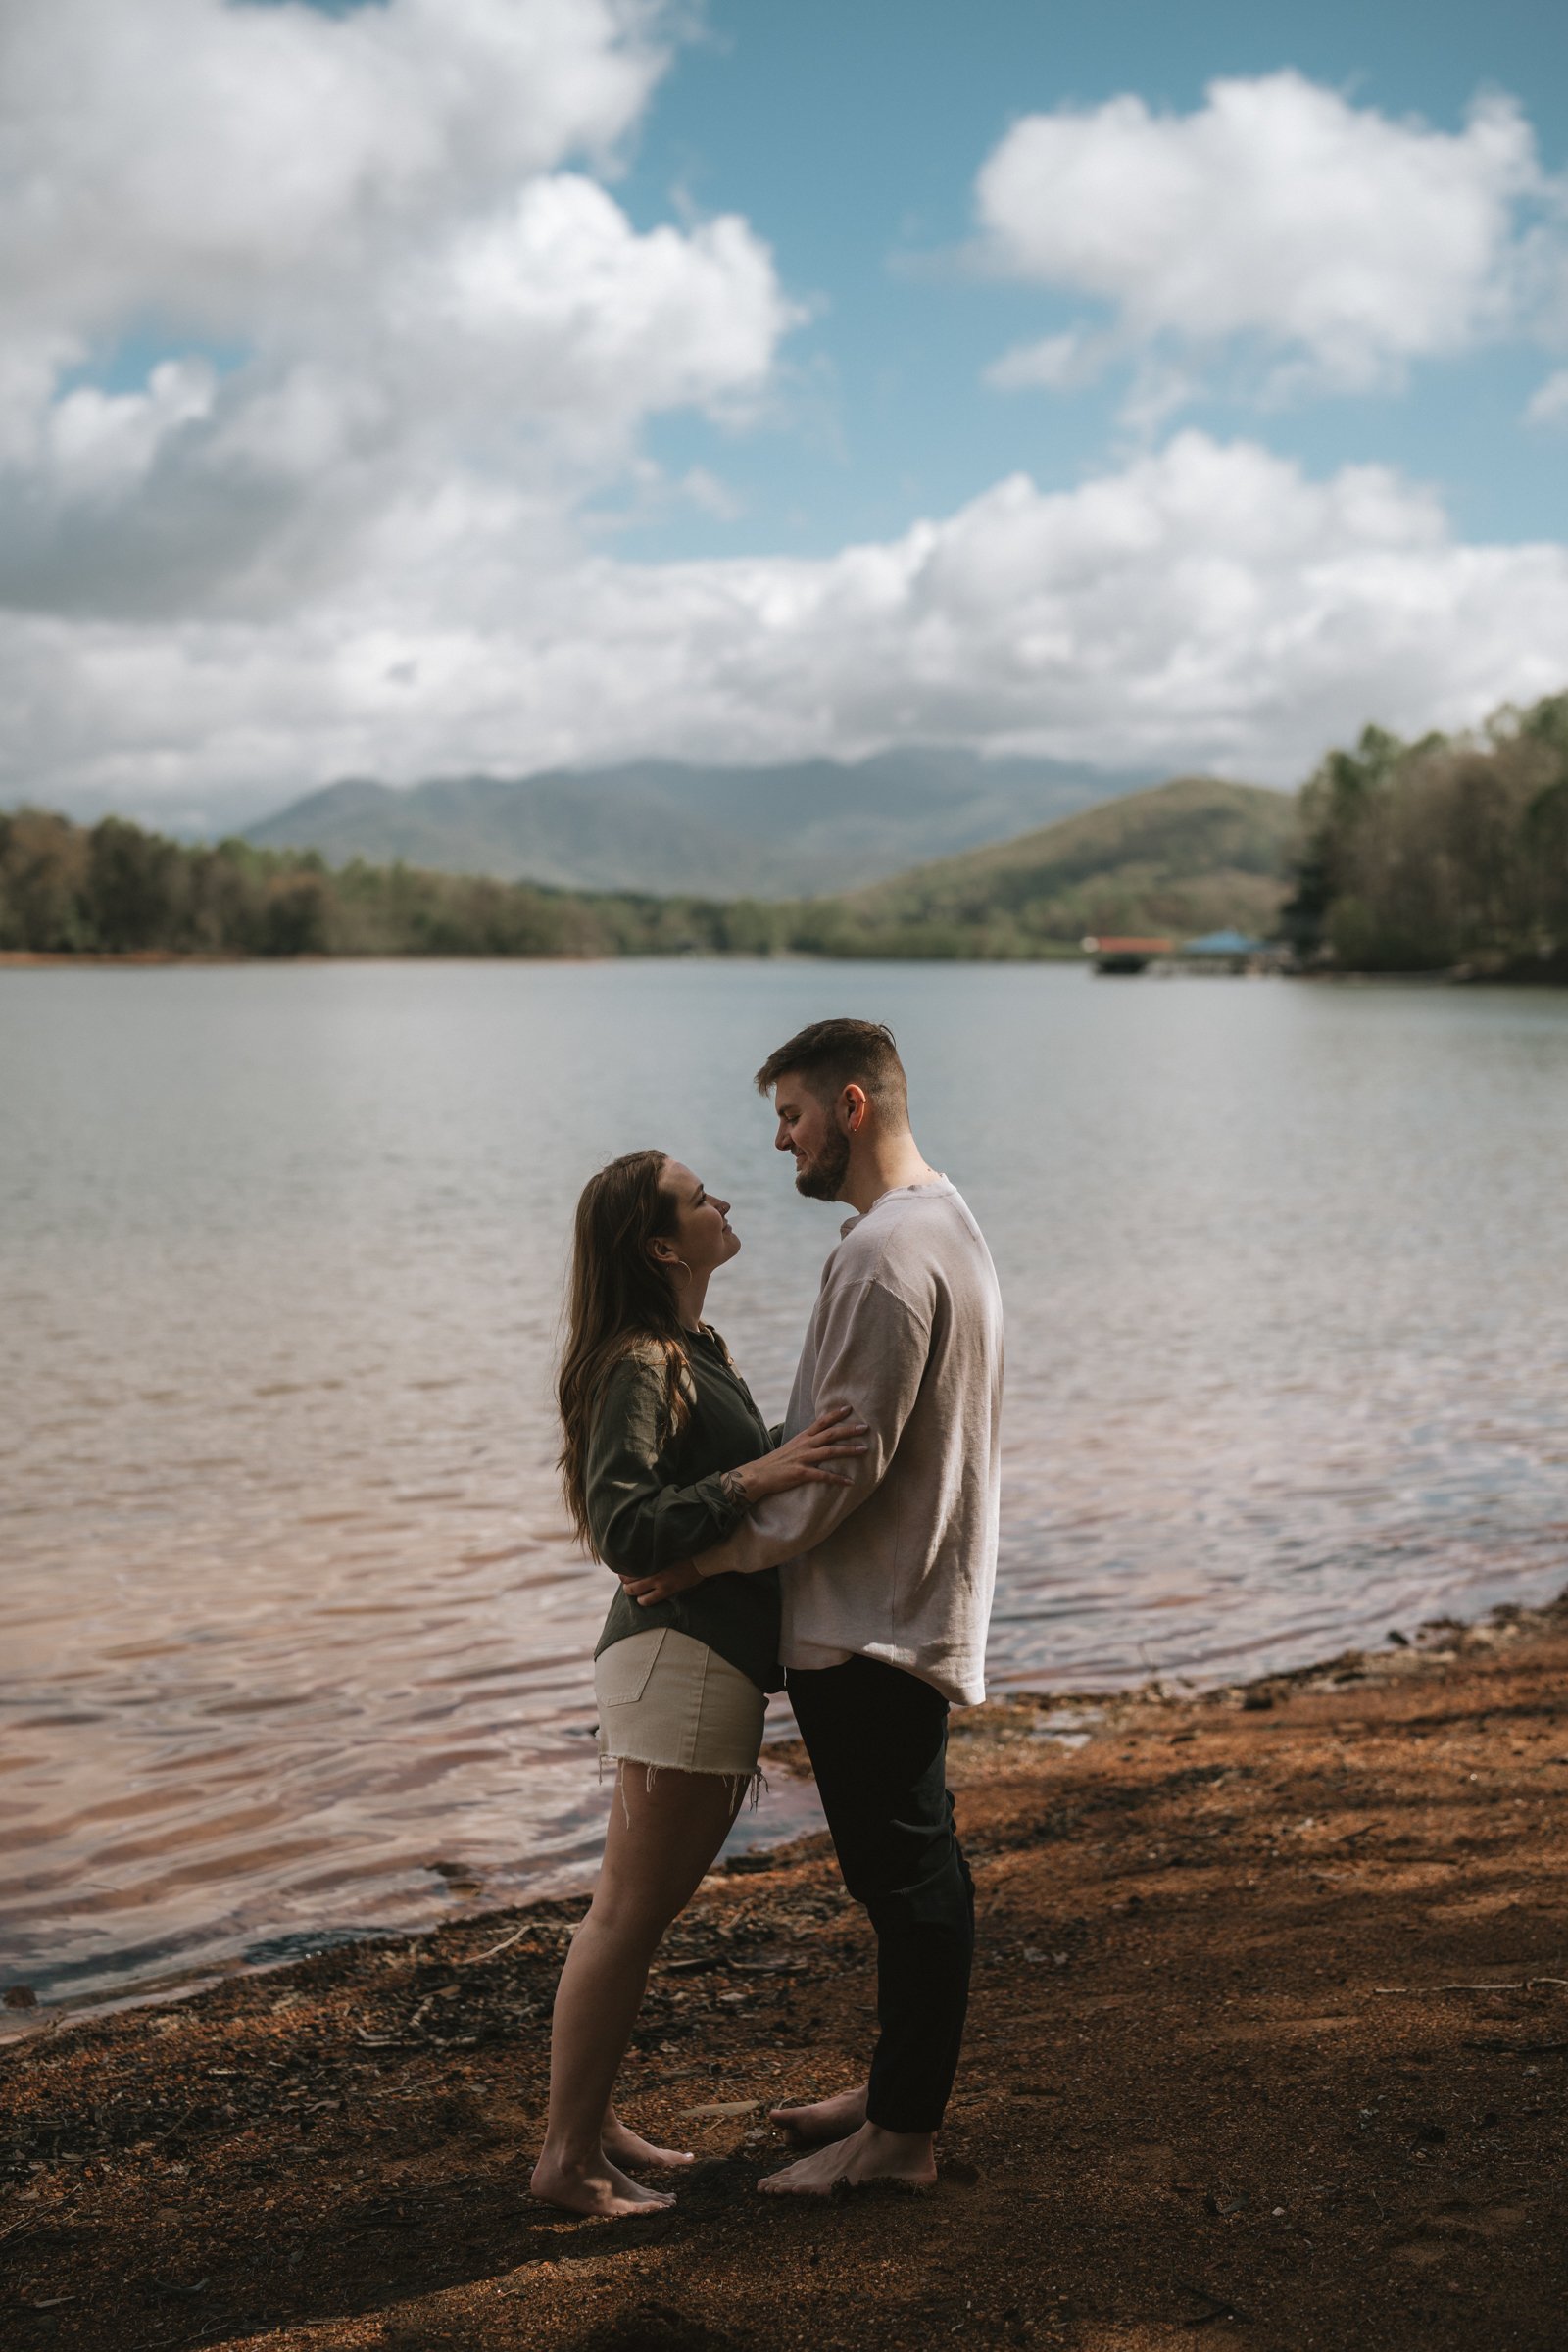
(641, 1524)
(871, 1355)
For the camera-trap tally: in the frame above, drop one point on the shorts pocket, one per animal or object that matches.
(621, 1672)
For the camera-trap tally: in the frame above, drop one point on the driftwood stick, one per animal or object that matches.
(504, 1944)
(1515, 1985)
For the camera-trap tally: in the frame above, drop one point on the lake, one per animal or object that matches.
(292, 1637)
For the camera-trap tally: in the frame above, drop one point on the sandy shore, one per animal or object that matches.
(1267, 2050)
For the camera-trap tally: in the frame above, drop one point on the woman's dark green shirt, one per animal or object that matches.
(654, 1497)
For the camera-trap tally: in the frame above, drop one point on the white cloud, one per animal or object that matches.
(102, 442)
(209, 158)
(1549, 403)
(1055, 364)
(1210, 604)
(1335, 242)
(379, 289)
(559, 299)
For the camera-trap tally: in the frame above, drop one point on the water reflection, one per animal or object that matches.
(289, 1613)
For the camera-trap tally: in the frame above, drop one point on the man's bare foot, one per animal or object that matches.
(623, 2145)
(827, 2118)
(600, 2190)
(908, 2158)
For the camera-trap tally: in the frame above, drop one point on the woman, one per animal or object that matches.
(662, 1454)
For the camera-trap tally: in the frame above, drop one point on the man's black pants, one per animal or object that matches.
(878, 1742)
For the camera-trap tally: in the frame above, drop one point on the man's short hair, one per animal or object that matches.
(830, 1055)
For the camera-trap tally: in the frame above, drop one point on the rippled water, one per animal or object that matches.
(288, 1614)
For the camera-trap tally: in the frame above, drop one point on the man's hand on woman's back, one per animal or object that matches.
(805, 1459)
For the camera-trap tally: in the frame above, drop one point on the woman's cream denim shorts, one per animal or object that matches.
(667, 1700)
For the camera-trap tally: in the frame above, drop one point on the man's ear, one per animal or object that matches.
(853, 1103)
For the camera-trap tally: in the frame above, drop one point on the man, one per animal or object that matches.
(890, 1577)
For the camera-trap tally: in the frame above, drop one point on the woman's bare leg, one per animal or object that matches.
(664, 1829)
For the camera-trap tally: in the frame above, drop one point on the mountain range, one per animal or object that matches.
(814, 828)
(1192, 855)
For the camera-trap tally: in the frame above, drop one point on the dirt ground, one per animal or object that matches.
(1267, 2050)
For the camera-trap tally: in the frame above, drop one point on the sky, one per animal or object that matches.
(438, 387)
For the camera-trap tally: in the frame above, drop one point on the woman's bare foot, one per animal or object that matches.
(827, 2118)
(869, 2154)
(599, 2190)
(623, 2145)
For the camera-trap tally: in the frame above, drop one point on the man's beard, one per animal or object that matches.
(820, 1181)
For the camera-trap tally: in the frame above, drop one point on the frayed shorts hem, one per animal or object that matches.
(745, 1789)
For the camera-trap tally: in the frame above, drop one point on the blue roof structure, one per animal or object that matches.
(1224, 942)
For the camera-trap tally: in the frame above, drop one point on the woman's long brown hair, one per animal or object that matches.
(616, 1296)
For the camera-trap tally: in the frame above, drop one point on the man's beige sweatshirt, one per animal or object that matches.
(901, 1564)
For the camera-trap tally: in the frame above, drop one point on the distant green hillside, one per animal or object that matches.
(1184, 858)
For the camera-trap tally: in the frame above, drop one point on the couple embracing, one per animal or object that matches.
(848, 1556)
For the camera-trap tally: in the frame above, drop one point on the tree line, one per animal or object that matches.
(1448, 852)
(1409, 856)
(116, 889)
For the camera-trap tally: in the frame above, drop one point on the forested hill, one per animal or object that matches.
(1193, 856)
(1186, 857)
(808, 829)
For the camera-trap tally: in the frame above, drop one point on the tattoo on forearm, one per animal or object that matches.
(733, 1487)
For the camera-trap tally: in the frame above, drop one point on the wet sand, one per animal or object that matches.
(1267, 2050)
